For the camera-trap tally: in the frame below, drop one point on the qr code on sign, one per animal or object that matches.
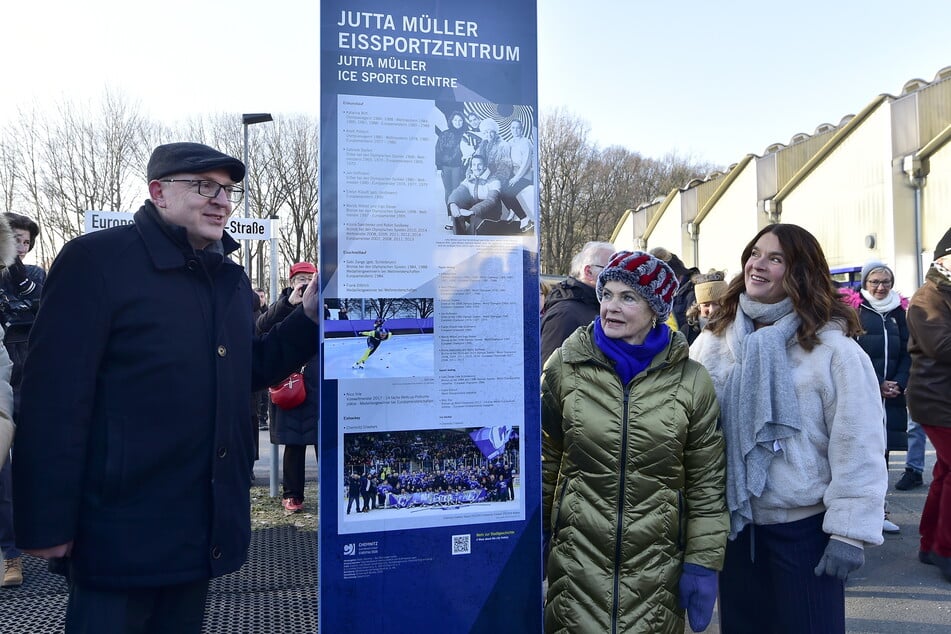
(461, 544)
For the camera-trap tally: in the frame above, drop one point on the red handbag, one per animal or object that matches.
(290, 392)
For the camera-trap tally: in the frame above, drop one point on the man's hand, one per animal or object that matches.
(63, 550)
(311, 300)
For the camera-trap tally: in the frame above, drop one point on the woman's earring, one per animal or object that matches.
(653, 323)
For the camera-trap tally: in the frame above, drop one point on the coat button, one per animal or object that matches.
(222, 351)
(222, 452)
(192, 265)
(215, 553)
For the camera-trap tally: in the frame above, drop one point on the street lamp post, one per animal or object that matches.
(250, 119)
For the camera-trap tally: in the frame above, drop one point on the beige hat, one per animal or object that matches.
(709, 287)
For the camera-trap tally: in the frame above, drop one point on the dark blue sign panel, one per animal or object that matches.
(430, 479)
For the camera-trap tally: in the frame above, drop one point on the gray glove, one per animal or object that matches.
(839, 559)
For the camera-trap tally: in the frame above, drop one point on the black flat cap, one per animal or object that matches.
(175, 158)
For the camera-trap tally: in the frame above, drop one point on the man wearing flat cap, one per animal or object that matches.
(134, 448)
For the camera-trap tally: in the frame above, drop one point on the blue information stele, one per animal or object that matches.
(430, 450)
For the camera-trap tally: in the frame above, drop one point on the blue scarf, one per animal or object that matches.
(630, 359)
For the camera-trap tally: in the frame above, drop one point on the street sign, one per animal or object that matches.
(237, 228)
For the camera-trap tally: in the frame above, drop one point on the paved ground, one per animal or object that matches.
(275, 592)
(894, 593)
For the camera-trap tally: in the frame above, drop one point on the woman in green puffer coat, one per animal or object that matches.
(633, 466)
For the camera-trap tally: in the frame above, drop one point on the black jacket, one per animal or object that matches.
(886, 343)
(135, 437)
(569, 306)
(18, 307)
(683, 300)
(296, 426)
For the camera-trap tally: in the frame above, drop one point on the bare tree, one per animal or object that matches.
(290, 183)
(563, 157)
(423, 306)
(584, 190)
(77, 158)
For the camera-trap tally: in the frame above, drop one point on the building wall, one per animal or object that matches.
(669, 232)
(848, 195)
(846, 184)
(729, 225)
(936, 202)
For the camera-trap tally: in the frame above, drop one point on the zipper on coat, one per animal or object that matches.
(620, 513)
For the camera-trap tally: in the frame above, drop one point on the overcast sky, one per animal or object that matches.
(711, 81)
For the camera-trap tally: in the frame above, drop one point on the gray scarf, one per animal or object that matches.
(759, 406)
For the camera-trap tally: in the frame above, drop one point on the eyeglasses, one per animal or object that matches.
(596, 266)
(882, 283)
(211, 189)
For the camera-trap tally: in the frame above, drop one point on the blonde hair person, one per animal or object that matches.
(632, 466)
(708, 288)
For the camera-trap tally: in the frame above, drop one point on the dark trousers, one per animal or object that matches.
(451, 177)
(935, 526)
(294, 456)
(510, 197)
(7, 547)
(175, 609)
(776, 590)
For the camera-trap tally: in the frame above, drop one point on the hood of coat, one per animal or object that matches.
(8, 249)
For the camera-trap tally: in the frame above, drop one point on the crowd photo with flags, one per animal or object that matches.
(431, 468)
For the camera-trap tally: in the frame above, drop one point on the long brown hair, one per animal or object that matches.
(807, 282)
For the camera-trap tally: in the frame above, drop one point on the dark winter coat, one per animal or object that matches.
(633, 485)
(296, 426)
(929, 342)
(449, 148)
(683, 300)
(135, 439)
(570, 305)
(19, 305)
(886, 343)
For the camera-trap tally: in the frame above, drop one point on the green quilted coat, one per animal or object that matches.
(633, 483)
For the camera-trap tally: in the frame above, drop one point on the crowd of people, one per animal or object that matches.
(756, 412)
(437, 463)
(703, 439)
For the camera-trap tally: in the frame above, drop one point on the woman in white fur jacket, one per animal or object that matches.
(801, 418)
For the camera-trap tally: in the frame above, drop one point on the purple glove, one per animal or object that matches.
(698, 593)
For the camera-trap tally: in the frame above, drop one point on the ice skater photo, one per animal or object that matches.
(375, 337)
(380, 338)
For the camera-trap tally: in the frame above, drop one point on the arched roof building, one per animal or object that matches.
(876, 185)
